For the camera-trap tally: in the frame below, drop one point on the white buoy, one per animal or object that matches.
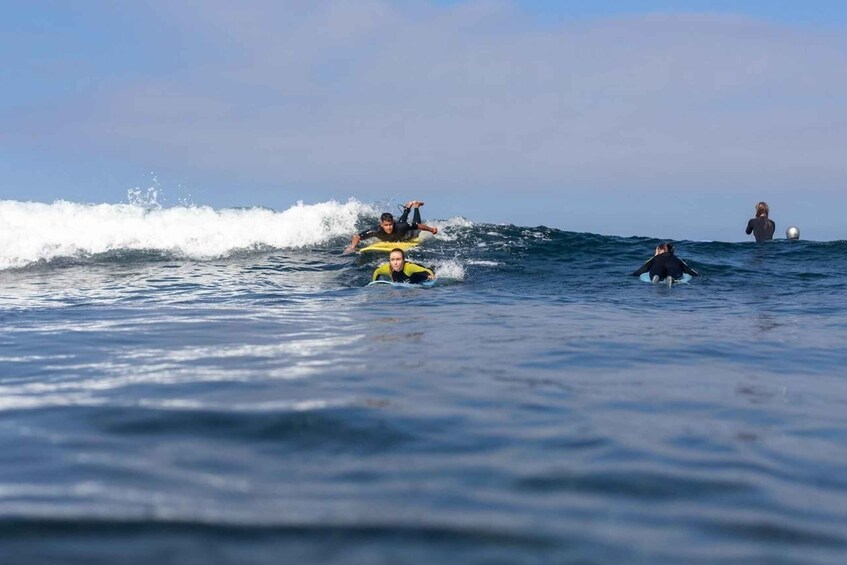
(793, 232)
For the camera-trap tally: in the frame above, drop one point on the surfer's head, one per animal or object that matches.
(661, 248)
(386, 222)
(762, 209)
(397, 260)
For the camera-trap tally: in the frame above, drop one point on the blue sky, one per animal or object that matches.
(668, 119)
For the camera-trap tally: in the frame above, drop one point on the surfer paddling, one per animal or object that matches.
(664, 264)
(401, 271)
(391, 230)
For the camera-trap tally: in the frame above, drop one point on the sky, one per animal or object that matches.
(664, 119)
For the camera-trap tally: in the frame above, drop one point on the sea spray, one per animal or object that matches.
(32, 232)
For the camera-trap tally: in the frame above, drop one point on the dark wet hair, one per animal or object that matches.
(669, 246)
(386, 217)
(402, 253)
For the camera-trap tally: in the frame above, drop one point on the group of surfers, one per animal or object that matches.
(398, 269)
(664, 265)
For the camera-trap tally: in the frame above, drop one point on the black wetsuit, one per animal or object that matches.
(761, 227)
(664, 265)
(402, 228)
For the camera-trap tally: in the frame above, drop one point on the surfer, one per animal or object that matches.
(399, 270)
(665, 264)
(761, 226)
(391, 230)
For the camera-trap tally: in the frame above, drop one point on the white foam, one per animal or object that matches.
(484, 263)
(450, 270)
(448, 229)
(31, 231)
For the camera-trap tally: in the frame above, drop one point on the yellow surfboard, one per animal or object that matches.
(387, 246)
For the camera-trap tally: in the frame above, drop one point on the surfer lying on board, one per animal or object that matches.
(399, 270)
(665, 264)
(391, 230)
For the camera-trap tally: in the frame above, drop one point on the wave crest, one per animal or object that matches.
(33, 232)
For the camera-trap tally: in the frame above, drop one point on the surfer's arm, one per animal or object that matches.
(749, 229)
(412, 269)
(382, 270)
(418, 278)
(367, 234)
(353, 243)
(425, 228)
(644, 268)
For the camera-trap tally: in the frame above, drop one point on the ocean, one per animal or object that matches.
(192, 386)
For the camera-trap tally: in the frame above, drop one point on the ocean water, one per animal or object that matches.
(188, 385)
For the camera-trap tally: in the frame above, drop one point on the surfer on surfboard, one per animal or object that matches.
(401, 271)
(664, 264)
(391, 230)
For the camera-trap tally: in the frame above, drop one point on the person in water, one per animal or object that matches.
(761, 226)
(399, 270)
(665, 264)
(391, 230)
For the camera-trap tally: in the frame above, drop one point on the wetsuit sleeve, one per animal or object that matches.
(382, 270)
(749, 229)
(644, 268)
(416, 273)
(367, 234)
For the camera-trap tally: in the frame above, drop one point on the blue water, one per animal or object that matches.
(537, 405)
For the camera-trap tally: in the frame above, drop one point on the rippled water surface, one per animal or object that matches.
(536, 405)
